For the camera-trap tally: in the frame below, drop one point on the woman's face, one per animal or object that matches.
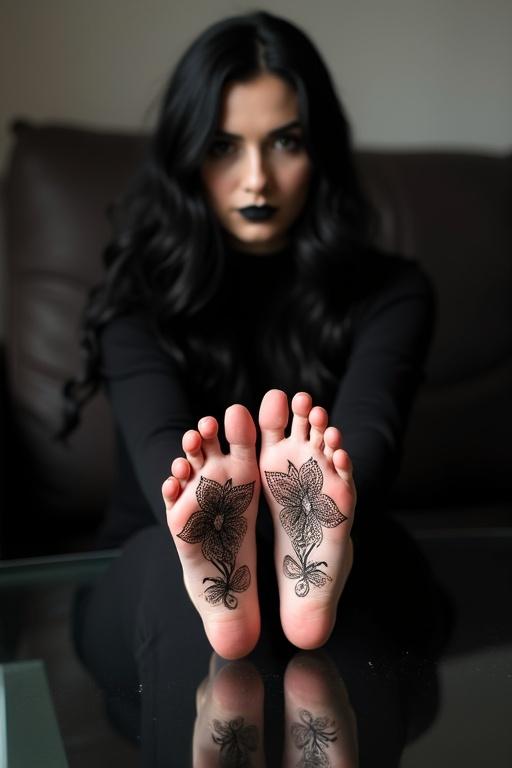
(257, 158)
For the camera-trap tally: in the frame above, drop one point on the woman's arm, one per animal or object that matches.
(392, 332)
(150, 405)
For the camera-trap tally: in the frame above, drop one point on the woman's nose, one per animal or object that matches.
(256, 176)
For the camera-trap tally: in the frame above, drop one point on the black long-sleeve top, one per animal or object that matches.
(391, 320)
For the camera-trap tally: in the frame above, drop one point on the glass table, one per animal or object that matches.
(418, 671)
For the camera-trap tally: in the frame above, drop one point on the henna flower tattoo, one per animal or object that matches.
(313, 736)
(236, 741)
(307, 573)
(305, 511)
(221, 588)
(219, 526)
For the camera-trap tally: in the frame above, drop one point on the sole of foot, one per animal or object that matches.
(307, 481)
(320, 722)
(211, 501)
(229, 725)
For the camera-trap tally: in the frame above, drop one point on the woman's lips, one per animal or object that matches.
(257, 212)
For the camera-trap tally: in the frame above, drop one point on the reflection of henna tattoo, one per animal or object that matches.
(236, 741)
(220, 527)
(314, 736)
(305, 511)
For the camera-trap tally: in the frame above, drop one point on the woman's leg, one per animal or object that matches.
(140, 637)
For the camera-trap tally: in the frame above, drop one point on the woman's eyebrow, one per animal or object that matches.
(274, 132)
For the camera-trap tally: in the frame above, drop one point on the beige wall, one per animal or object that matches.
(410, 72)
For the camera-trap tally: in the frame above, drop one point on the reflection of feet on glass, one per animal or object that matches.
(211, 501)
(320, 725)
(308, 485)
(228, 731)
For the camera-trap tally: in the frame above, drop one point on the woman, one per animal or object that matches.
(241, 270)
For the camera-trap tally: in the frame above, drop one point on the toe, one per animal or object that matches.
(208, 428)
(240, 433)
(192, 445)
(343, 465)
(181, 469)
(170, 491)
(273, 417)
(301, 407)
(318, 420)
(332, 440)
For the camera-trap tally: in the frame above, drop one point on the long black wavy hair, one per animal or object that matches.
(167, 254)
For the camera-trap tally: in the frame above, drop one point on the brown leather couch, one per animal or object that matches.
(452, 210)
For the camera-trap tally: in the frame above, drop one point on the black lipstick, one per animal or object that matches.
(257, 212)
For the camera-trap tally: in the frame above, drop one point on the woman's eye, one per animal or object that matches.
(220, 148)
(288, 143)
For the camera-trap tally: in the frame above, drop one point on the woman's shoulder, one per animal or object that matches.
(387, 284)
(129, 342)
(126, 326)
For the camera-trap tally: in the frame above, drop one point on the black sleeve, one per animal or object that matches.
(150, 405)
(390, 338)
(392, 330)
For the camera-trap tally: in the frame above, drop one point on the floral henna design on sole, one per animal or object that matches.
(313, 737)
(236, 741)
(305, 511)
(220, 527)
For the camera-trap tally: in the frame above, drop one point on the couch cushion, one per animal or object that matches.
(59, 184)
(453, 212)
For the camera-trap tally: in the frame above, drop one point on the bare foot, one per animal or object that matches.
(228, 730)
(211, 502)
(321, 726)
(308, 485)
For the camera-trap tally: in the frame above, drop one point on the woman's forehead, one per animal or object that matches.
(264, 103)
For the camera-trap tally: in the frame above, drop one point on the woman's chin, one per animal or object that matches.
(257, 245)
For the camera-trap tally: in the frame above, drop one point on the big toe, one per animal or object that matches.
(273, 417)
(240, 432)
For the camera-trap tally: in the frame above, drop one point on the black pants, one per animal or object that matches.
(143, 641)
